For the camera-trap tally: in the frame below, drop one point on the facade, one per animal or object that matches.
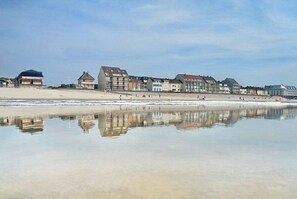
(223, 88)
(175, 85)
(135, 85)
(212, 85)
(163, 84)
(6, 82)
(113, 79)
(86, 81)
(243, 91)
(262, 91)
(29, 78)
(192, 83)
(155, 84)
(281, 90)
(143, 80)
(233, 85)
(251, 90)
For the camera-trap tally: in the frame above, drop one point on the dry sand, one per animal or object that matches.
(73, 94)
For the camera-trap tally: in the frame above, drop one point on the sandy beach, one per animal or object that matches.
(72, 94)
(43, 102)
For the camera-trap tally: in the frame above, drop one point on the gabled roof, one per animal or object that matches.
(111, 71)
(290, 87)
(230, 80)
(174, 81)
(191, 77)
(209, 78)
(31, 73)
(86, 76)
(158, 79)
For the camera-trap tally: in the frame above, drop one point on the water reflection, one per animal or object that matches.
(116, 123)
(25, 124)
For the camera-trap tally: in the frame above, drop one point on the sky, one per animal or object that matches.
(253, 41)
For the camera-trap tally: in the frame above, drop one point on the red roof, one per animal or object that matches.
(191, 77)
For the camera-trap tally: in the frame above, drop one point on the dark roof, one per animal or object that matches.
(230, 80)
(291, 87)
(110, 71)
(31, 73)
(87, 76)
(174, 81)
(209, 78)
(158, 79)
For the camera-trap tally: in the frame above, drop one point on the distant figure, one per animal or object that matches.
(159, 95)
(120, 97)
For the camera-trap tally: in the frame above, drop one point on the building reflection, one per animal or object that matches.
(116, 124)
(86, 122)
(25, 124)
(112, 124)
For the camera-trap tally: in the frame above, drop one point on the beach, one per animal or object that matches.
(75, 94)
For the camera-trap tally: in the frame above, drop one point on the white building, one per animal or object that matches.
(281, 90)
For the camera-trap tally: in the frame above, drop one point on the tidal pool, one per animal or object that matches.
(244, 153)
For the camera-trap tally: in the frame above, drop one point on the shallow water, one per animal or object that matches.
(247, 153)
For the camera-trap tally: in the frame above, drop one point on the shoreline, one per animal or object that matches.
(73, 94)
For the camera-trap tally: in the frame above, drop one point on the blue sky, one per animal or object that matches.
(253, 41)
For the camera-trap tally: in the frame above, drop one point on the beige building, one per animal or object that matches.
(29, 78)
(175, 85)
(113, 79)
(192, 83)
(86, 81)
(135, 85)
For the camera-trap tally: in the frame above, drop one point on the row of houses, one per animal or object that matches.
(29, 78)
(117, 79)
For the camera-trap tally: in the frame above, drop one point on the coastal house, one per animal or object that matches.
(192, 83)
(6, 82)
(135, 85)
(86, 81)
(261, 91)
(113, 79)
(281, 90)
(141, 80)
(175, 85)
(155, 84)
(212, 85)
(243, 91)
(29, 78)
(223, 88)
(252, 90)
(164, 84)
(233, 85)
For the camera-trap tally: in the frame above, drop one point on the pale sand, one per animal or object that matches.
(68, 94)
